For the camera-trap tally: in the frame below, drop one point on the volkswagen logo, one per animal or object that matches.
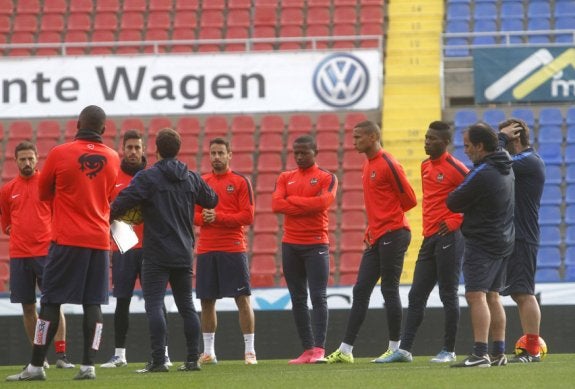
(340, 80)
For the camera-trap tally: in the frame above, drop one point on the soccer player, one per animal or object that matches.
(126, 268)
(388, 195)
(486, 198)
(439, 260)
(28, 222)
(167, 194)
(303, 196)
(222, 268)
(529, 171)
(78, 177)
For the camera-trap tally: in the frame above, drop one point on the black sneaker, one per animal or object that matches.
(525, 357)
(498, 360)
(154, 368)
(474, 361)
(190, 366)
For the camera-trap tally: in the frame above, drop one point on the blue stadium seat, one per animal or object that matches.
(548, 257)
(512, 24)
(570, 236)
(570, 194)
(550, 116)
(570, 214)
(553, 174)
(458, 138)
(551, 195)
(547, 275)
(458, 11)
(460, 155)
(564, 8)
(570, 174)
(457, 26)
(451, 51)
(485, 25)
(570, 274)
(464, 118)
(569, 154)
(484, 40)
(485, 11)
(512, 9)
(550, 236)
(564, 23)
(493, 117)
(550, 215)
(525, 114)
(570, 256)
(570, 116)
(538, 24)
(550, 134)
(570, 137)
(539, 10)
(551, 153)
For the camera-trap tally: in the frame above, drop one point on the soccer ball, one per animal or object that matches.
(521, 344)
(132, 216)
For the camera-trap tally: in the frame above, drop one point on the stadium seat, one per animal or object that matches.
(550, 134)
(28, 7)
(266, 223)
(327, 141)
(352, 161)
(493, 117)
(212, 18)
(265, 243)
(550, 236)
(458, 138)
(352, 119)
(570, 235)
(551, 195)
(547, 275)
(263, 270)
(463, 118)
(52, 37)
(272, 123)
(550, 116)
(159, 5)
(20, 130)
(266, 182)
(243, 162)
(511, 9)
(107, 6)
(105, 21)
(328, 159)
(134, 5)
(548, 257)
(515, 25)
(239, 4)
(539, 9)
(551, 153)
(265, 16)
(525, 114)
(44, 146)
(133, 124)
(242, 142)
(485, 25)
(269, 163)
(553, 174)
(185, 20)
(6, 7)
(158, 20)
(550, 215)
(485, 11)
(157, 123)
(457, 26)
(564, 23)
(344, 15)
(78, 22)
(570, 256)
(52, 22)
(190, 144)
(215, 126)
(349, 260)
(243, 124)
(458, 11)
(351, 180)
(570, 137)
(288, 4)
(319, 32)
(300, 123)
(318, 16)
(48, 129)
(271, 141)
(570, 174)
(327, 122)
(186, 5)
(570, 194)
(238, 18)
(188, 125)
(569, 274)
(569, 154)
(352, 200)
(353, 220)
(81, 6)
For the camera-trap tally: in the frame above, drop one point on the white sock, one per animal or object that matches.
(33, 369)
(346, 348)
(394, 344)
(249, 343)
(167, 355)
(209, 343)
(86, 368)
(120, 352)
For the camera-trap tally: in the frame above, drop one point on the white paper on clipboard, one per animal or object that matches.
(124, 235)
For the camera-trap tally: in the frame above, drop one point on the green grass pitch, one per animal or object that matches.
(556, 371)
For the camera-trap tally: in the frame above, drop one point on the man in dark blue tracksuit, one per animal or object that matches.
(486, 198)
(167, 194)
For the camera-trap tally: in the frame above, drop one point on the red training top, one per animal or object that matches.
(304, 197)
(438, 178)
(29, 218)
(80, 177)
(123, 181)
(235, 210)
(387, 195)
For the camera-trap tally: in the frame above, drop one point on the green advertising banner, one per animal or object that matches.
(534, 74)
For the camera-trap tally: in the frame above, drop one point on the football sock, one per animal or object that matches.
(121, 321)
(209, 343)
(60, 346)
(532, 344)
(167, 355)
(480, 349)
(120, 352)
(92, 331)
(249, 343)
(346, 348)
(498, 347)
(46, 328)
(394, 344)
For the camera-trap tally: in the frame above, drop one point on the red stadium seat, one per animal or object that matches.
(318, 16)
(352, 200)
(186, 5)
(265, 243)
(271, 141)
(243, 162)
(156, 34)
(242, 143)
(270, 163)
(272, 123)
(291, 31)
(214, 4)
(263, 270)
(243, 124)
(327, 141)
(54, 7)
(328, 159)
(5, 21)
(107, 36)
(236, 33)
(159, 20)
(159, 5)
(28, 7)
(156, 124)
(266, 222)
(24, 23)
(265, 16)
(52, 22)
(318, 31)
(353, 118)
(188, 125)
(6, 8)
(81, 6)
(371, 14)
(48, 129)
(266, 182)
(238, 18)
(76, 37)
(134, 5)
(351, 180)
(341, 30)
(20, 130)
(44, 146)
(348, 279)
(292, 17)
(318, 3)
(48, 37)
(353, 220)
(78, 22)
(327, 122)
(133, 124)
(185, 20)
(300, 123)
(267, 32)
(287, 4)
(132, 21)
(215, 126)
(344, 3)
(107, 6)
(105, 21)
(183, 34)
(350, 260)
(344, 15)
(239, 4)
(212, 18)
(207, 33)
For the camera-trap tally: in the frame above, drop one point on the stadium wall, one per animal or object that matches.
(276, 336)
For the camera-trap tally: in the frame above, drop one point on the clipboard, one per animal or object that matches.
(124, 235)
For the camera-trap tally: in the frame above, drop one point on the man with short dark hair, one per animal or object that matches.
(529, 171)
(167, 194)
(486, 198)
(439, 259)
(28, 222)
(78, 177)
(222, 269)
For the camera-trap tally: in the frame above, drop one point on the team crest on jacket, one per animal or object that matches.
(372, 175)
(230, 188)
(313, 181)
(92, 164)
(439, 177)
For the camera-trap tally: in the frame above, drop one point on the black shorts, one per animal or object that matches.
(483, 272)
(221, 274)
(75, 275)
(25, 274)
(521, 269)
(126, 268)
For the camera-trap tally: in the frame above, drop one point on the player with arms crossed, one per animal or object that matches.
(222, 269)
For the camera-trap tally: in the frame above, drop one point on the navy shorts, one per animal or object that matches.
(483, 272)
(220, 274)
(75, 275)
(521, 269)
(25, 274)
(126, 268)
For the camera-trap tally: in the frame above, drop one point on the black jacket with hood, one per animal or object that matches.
(167, 194)
(487, 199)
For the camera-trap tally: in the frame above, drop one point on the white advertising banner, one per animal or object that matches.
(191, 84)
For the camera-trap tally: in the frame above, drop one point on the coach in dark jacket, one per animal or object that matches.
(486, 198)
(167, 194)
